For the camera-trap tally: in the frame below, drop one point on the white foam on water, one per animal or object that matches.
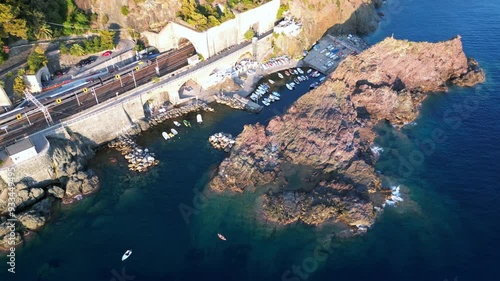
(395, 197)
(376, 150)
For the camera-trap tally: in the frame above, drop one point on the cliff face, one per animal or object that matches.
(337, 17)
(329, 132)
(33, 202)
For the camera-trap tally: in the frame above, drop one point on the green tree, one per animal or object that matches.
(10, 23)
(36, 60)
(105, 19)
(107, 39)
(76, 50)
(19, 85)
(44, 33)
(125, 10)
(249, 34)
(63, 49)
(283, 8)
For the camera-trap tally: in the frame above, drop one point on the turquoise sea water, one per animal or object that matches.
(447, 227)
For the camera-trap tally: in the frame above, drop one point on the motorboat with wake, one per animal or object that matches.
(126, 255)
(199, 119)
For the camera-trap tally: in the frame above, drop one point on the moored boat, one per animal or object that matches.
(186, 123)
(289, 87)
(221, 237)
(270, 81)
(280, 75)
(177, 124)
(199, 119)
(165, 135)
(276, 94)
(287, 73)
(126, 255)
(314, 85)
(174, 131)
(300, 70)
(309, 70)
(265, 103)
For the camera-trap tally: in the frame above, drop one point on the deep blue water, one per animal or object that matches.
(447, 227)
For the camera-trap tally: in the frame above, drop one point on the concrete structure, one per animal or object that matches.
(34, 82)
(4, 99)
(289, 27)
(115, 117)
(21, 151)
(218, 38)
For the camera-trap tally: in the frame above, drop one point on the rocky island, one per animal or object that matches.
(325, 137)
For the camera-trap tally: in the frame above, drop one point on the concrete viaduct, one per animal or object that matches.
(212, 41)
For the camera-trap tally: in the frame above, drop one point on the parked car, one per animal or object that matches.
(107, 53)
(86, 61)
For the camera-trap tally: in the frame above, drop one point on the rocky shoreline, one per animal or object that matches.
(329, 133)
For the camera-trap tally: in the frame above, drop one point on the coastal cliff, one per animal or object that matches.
(33, 201)
(335, 17)
(326, 136)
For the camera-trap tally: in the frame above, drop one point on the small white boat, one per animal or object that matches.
(265, 103)
(199, 119)
(280, 75)
(289, 87)
(221, 237)
(271, 98)
(165, 135)
(271, 81)
(126, 255)
(300, 70)
(276, 94)
(177, 124)
(174, 131)
(309, 70)
(275, 97)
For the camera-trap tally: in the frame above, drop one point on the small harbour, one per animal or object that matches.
(445, 229)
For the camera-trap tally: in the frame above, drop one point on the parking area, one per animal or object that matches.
(330, 51)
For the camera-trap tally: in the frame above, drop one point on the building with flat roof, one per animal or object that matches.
(4, 99)
(21, 151)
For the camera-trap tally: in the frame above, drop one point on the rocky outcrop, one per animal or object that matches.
(81, 183)
(326, 135)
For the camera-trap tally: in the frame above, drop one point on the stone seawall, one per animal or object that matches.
(113, 120)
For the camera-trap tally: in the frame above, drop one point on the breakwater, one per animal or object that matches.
(177, 112)
(139, 159)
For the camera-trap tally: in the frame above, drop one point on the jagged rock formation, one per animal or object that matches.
(33, 203)
(325, 136)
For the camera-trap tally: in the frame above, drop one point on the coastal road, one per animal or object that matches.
(68, 104)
